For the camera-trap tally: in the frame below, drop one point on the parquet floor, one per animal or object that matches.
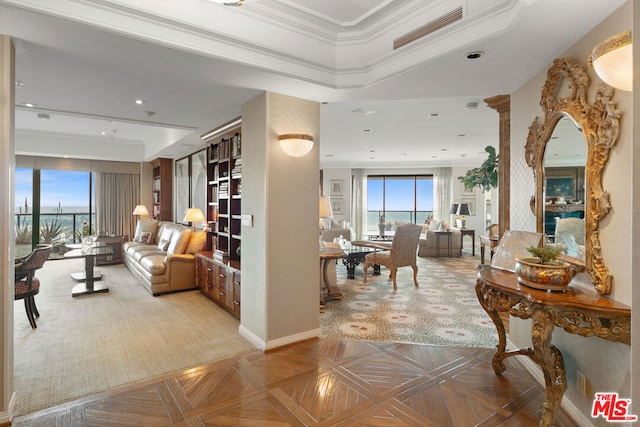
(322, 382)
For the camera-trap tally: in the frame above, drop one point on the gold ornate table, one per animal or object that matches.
(578, 311)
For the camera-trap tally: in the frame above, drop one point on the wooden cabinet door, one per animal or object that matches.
(235, 300)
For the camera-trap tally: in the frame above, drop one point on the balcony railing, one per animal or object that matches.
(393, 218)
(54, 227)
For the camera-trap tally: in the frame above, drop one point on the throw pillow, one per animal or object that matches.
(145, 226)
(166, 233)
(196, 242)
(163, 244)
(434, 225)
(179, 241)
(145, 237)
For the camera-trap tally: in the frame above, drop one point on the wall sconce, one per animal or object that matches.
(296, 144)
(612, 60)
(142, 211)
(194, 215)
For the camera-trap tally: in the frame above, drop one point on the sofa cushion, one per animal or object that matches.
(196, 242)
(434, 225)
(163, 244)
(145, 226)
(145, 237)
(165, 232)
(179, 241)
(154, 264)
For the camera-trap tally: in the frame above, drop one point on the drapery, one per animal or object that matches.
(359, 203)
(116, 195)
(442, 193)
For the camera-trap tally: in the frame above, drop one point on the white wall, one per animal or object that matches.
(606, 365)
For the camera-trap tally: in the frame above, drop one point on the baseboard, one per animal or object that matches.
(6, 417)
(280, 342)
(536, 372)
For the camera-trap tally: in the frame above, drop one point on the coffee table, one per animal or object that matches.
(88, 276)
(356, 253)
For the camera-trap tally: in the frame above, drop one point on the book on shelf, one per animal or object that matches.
(220, 254)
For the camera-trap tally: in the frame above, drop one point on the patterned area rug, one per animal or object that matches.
(443, 310)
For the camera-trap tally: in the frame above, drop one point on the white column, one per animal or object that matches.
(7, 170)
(280, 268)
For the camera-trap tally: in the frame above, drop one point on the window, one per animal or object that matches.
(400, 198)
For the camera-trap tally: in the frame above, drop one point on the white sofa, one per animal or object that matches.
(432, 245)
(162, 255)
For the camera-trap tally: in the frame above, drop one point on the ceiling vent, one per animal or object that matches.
(435, 25)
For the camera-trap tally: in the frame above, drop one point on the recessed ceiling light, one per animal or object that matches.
(472, 106)
(463, 155)
(443, 149)
(368, 130)
(139, 101)
(475, 55)
(462, 134)
(329, 155)
(43, 116)
(103, 133)
(363, 111)
(434, 114)
(29, 104)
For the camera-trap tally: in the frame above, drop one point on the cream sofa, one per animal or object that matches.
(161, 255)
(432, 245)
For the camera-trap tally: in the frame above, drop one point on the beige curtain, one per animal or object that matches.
(117, 194)
(359, 203)
(442, 193)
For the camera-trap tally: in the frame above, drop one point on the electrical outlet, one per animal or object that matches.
(581, 383)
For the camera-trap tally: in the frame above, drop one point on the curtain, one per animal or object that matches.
(116, 197)
(359, 203)
(442, 196)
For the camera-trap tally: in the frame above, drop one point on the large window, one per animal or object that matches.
(61, 202)
(399, 199)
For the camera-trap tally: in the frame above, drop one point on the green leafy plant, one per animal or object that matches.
(485, 176)
(546, 255)
(23, 235)
(50, 231)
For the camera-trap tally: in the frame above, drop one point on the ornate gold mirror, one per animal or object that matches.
(564, 95)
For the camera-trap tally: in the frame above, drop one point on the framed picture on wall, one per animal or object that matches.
(337, 206)
(336, 187)
(468, 191)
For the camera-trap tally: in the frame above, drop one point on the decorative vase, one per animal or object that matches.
(548, 277)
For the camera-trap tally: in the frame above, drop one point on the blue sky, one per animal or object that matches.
(400, 194)
(69, 188)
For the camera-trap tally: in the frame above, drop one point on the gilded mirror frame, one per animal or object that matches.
(565, 92)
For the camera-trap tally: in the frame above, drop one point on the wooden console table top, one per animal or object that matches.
(578, 311)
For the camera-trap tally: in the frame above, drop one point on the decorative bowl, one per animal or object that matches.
(549, 277)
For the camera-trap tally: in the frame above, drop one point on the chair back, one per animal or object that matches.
(492, 230)
(405, 244)
(32, 262)
(571, 226)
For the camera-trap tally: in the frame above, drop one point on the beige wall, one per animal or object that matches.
(280, 263)
(606, 365)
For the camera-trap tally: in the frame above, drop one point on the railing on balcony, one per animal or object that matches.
(393, 218)
(55, 228)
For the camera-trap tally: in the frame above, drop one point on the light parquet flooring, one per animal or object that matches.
(322, 382)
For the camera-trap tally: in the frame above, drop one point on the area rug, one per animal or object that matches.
(98, 342)
(443, 310)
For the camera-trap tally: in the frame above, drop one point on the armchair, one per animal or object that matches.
(26, 285)
(402, 253)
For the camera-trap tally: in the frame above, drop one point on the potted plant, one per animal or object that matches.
(485, 176)
(543, 270)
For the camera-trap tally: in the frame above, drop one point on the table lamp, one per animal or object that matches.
(194, 215)
(463, 210)
(325, 212)
(142, 211)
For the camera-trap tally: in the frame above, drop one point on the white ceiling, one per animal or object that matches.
(196, 62)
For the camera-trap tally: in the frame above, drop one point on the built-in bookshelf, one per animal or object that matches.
(224, 194)
(162, 193)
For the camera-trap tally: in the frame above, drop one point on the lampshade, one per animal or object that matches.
(325, 207)
(612, 59)
(141, 210)
(454, 208)
(194, 215)
(463, 209)
(296, 144)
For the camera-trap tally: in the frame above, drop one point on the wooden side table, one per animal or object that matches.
(579, 311)
(472, 233)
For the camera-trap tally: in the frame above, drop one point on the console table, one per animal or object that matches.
(578, 311)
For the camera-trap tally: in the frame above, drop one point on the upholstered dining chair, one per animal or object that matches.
(26, 285)
(401, 253)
